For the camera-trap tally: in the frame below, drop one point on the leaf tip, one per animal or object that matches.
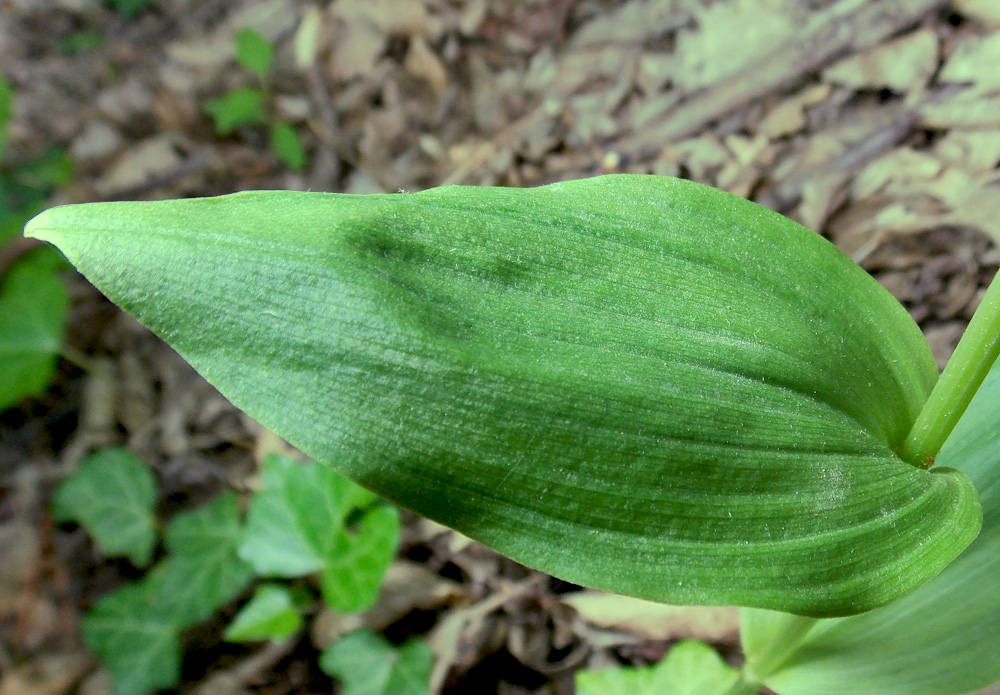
(44, 226)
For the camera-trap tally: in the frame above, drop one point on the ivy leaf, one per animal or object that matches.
(112, 494)
(33, 310)
(202, 571)
(136, 630)
(272, 614)
(366, 664)
(633, 383)
(298, 524)
(136, 637)
(690, 668)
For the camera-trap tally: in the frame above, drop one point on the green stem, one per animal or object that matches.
(746, 685)
(976, 352)
(783, 644)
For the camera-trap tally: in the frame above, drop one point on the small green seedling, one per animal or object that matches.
(306, 520)
(634, 383)
(249, 106)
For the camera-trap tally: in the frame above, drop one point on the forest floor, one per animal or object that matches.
(875, 124)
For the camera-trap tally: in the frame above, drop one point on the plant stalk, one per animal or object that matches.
(971, 362)
(782, 645)
(746, 685)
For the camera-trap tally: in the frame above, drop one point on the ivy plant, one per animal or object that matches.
(634, 383)
(213, 554)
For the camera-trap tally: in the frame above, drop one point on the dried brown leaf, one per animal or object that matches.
(52, 674)
(902, 65)
(974, 60)
(655, 621)
(423, 63)
(985, 11)
(976, 151)
(968, 109)
(458, 639)
(154, 157)
(709, 54)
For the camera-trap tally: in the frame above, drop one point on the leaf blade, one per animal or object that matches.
(646, 369)
(202, 571)
(254, 52)
(942, 638)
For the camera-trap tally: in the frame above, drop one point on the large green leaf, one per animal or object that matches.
(940, 640)
(635, 383)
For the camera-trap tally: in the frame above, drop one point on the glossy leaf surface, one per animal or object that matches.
(940, 640)
(634, 383)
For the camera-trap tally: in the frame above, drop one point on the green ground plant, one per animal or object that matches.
(250, 106)
(305, 521)
(634, 383)
(33, 300)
